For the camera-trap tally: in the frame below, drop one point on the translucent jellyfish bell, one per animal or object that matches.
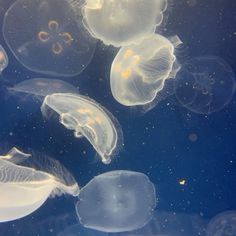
(138, 72)
(42, 87)
(116, 201)
(122, 22)
(46, 38)
(3, 59)
(24, 188)
(205, 84)
(87, 118)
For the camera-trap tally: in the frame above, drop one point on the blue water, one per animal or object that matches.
(156, 143)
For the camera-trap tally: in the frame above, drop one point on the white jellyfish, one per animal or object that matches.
(117, 201)
(25, 186)
(3, 59)
(139, 72)
(121, 22)
(42, 87)
(45, 37)
(87, 118)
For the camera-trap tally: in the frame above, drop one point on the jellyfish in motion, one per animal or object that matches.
(116, 201)
(205, 84)
(87, 118)
(42, 87)
(138, 72)
(45, 37)
(25, 186)
(222, 224)
(3, 59)
(121, 22)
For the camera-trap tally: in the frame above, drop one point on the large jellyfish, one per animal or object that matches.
(139, 72)
(42, 87)
(45, 37)
(205, 84)
(121, 22)
(3, 59)
(223, 224)
(117, 201)
(24, 188)
(87, 118)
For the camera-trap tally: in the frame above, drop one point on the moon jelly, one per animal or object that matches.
(122, 22)
(42, 87)
(24, 188)
(139, 72)
(3, 59)
(117, 201)
(45, 37)
(205, 84)
(86, 118)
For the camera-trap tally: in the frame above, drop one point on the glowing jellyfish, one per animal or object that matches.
(205, 84)
(117, 201)
(223, 224)
(87, 118)
(139, 72)
(23, 188)
(3, 59)
(42, 87)
(121, 22)
(45, 37)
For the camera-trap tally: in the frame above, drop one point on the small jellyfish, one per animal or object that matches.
(87, 118)
(116, 201)
(205, 84)
(121, 22)
(3, 59)
(45, 37)
(25, 186)
(42, 87)
(224, 224)
(139, 72)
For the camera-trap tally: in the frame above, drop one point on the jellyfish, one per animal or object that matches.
(87, 118)
(205, 84)
(222, 224)
(78, 229)
(3, 59)
(121, 22)
(42, 87)
(138, 72)
(25, 186)
(45, 37)
(116, 201)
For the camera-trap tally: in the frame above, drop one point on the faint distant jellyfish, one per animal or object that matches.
(139, 72)
(117, 201)
(224, 224)
(121, 22)
(42, 87)
(46, 38)
(87, 118)
(23, 188)
(205, 84)
(3, 59)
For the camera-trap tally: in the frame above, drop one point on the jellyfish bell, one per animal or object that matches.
(138, 72)
(86, 118)
(205, 84)
(3, 59)
(41, 87)
(121, 22)
(116, 201)
(25, 186)
(45, 36)
(222, 224)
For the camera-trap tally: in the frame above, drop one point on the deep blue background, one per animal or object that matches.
(156, 143)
